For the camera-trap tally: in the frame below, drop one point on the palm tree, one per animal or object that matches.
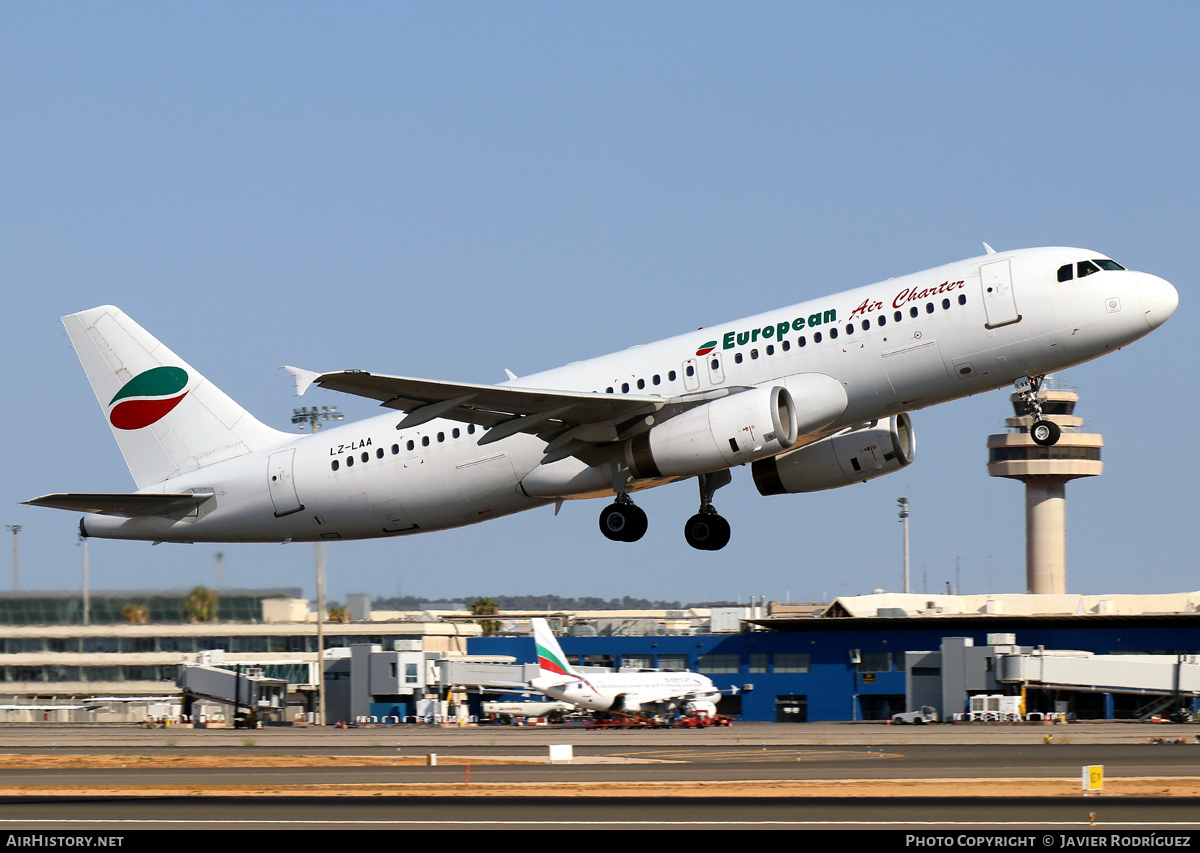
(135, 614)
(486, 607)
(200, 605)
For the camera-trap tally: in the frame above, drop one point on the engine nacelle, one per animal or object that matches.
(840, 460)
(729, 431)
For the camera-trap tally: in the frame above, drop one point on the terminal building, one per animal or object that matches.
(856, 658)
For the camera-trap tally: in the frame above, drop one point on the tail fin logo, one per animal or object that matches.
(551, 662)
(148, 397)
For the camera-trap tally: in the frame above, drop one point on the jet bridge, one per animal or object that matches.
(1173, 675)
(947, 679)
(253, 696)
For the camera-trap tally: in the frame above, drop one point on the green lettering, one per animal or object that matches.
(768, 332)
(814, 320)
(743, 338)
(754, 335)
(797, 324)
(727, 341)
(781, 330)
(831, 316)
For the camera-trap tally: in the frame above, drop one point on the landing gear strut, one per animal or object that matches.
(1044, 433)
(707, 530)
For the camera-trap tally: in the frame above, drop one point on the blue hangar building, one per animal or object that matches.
(846, 665)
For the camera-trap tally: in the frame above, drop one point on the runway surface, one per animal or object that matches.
(618, 779)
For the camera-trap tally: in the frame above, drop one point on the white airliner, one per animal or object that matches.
(638, 693)
(813, 396)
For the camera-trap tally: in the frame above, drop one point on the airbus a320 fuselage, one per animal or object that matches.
(813, 396)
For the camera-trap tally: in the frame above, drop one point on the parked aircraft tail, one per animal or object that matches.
(166, 417)
(551, 660)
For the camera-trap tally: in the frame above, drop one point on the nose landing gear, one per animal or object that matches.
(1043, 432)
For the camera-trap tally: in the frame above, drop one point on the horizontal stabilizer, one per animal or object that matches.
(123, 504)
(549, 682)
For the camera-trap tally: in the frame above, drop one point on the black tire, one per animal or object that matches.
(623, 522)
(1045, 433)
(706, 531)
(721, 539)
(637, 524)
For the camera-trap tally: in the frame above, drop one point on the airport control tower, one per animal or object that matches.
(1045, 471)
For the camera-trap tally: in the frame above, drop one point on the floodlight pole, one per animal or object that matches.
(313, 418)
(14, 529)
(83, 543)
(903, 502)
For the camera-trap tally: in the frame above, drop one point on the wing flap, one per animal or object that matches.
(487, 405)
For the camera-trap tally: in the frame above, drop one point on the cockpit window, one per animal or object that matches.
(1106, 264)
(1066, 272)
(1086, 268)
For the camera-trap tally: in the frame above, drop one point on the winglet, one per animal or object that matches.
(304, 378)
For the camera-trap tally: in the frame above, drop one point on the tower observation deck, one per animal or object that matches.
(1045, 472)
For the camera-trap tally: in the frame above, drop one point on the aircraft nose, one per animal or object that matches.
(1159, 299)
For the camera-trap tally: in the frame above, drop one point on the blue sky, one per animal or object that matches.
(449, 190)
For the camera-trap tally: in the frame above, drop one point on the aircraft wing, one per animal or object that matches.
(506, 410)
(123, 504)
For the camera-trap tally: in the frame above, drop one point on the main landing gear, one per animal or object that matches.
(707, 530)
(1043, 432)
(623, 521)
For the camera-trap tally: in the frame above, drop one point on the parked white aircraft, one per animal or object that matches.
(814, 396)
(640, 693)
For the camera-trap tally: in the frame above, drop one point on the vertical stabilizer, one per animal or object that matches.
(166, 417)
(551, 659)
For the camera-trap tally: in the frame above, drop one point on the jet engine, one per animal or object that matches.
(853, 456)
(728, 431)
(699, 706)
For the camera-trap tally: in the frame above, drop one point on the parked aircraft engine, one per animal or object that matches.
(855, 456)
(700, 706)
(728, 431)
